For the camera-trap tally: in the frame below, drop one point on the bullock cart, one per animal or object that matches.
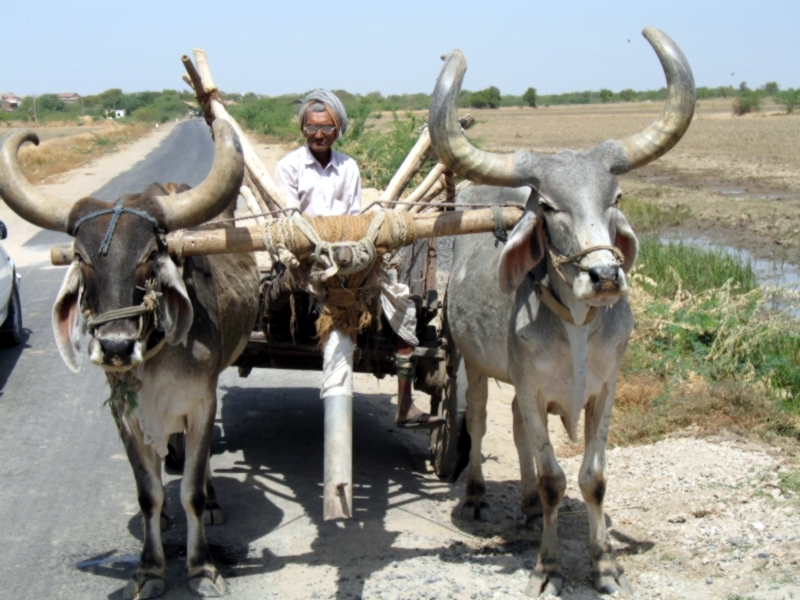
(396, 231)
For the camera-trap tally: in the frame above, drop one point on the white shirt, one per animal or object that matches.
(316, 190)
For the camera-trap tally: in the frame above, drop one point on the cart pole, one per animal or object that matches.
(337, 394)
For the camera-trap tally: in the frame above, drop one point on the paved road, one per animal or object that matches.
(68, 508)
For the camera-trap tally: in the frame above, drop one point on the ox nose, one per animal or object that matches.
(605, 279)
(117, 346)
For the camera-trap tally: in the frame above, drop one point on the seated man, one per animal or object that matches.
(321, 181)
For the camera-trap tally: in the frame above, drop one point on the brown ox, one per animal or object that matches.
(163, 364)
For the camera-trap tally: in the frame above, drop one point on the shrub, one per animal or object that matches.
(605, 95)
(530, 97)
(790, 99)
(379, 153)
(746, 102)
(771, 88)
(488, 98)
(628, 95)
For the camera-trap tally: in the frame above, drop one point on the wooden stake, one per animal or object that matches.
(202, 81)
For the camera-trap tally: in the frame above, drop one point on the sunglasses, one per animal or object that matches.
(313, 129)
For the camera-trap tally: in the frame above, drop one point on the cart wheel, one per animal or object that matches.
(450, 443)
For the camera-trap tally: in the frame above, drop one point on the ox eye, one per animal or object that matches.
(616, 201)
(547, 208)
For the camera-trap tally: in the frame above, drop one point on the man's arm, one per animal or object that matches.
(286, 181)
(354, 190)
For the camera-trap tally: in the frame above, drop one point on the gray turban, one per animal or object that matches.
(332, 104)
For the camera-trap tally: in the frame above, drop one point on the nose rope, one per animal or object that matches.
(149, 305)
(559, 259)
(112, 226)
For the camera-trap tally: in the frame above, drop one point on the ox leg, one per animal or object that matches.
(608, 576)
(531, 505)
(149, 581)
(212, 515)
(475, 508)
(204, 579)
(551, 484)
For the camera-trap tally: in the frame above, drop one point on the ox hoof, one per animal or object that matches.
(144, 585)
(546, 580)
(610, 583)
(212, 515)
(476, 511)
(208, 584)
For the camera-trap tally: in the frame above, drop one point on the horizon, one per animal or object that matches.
(576, 46)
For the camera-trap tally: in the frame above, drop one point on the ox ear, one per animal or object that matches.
(176, 308)
(626, 241)
(522, 252)
(67, 318)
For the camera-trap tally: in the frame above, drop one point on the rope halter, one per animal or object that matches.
(148, 306)
(559, 259)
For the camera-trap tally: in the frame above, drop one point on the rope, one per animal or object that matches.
(382, 204)
(112, 226)
(559, 259)
(500, 232)
(341, 246)
(149, 305)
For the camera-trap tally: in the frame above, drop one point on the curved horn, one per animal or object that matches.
(211, 197)
(660, 136)
(450, 143)
(21, 195)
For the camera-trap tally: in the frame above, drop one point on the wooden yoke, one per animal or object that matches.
(249, 239)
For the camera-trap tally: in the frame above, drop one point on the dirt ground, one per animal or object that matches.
(690, 518)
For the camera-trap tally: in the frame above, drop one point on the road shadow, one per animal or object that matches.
(9, 356)
(279, 433)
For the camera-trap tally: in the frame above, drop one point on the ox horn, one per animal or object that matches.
(660, 136)
(450, 143)
(21, 195)
(217, 191)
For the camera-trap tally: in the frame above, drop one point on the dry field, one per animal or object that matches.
(65, 147)
(740, 176)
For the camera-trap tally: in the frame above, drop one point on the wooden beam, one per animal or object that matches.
(250, 239)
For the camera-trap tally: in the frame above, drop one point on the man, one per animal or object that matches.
(318, 180)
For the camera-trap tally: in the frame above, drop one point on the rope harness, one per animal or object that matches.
(112, 226)
(344, 274)
(149, 305)
(546, 295)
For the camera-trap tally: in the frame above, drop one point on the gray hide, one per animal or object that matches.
(561, 365)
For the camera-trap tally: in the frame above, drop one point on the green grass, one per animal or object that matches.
(705, 352)
(677, 265)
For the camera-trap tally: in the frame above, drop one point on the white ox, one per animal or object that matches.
(547, 312)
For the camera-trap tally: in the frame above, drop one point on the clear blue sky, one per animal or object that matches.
(274, 47)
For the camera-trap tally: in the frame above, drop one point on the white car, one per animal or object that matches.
(11, 332)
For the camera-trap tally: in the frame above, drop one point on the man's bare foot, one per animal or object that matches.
(414, 418)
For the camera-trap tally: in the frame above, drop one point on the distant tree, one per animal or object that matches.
(789, 99)
(605, 95)
(530, 97)
(488, 98)
(743, 87)
(50, 102)
(628, 95)
(771, 88)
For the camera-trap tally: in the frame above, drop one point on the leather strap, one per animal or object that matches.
(565, 314)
